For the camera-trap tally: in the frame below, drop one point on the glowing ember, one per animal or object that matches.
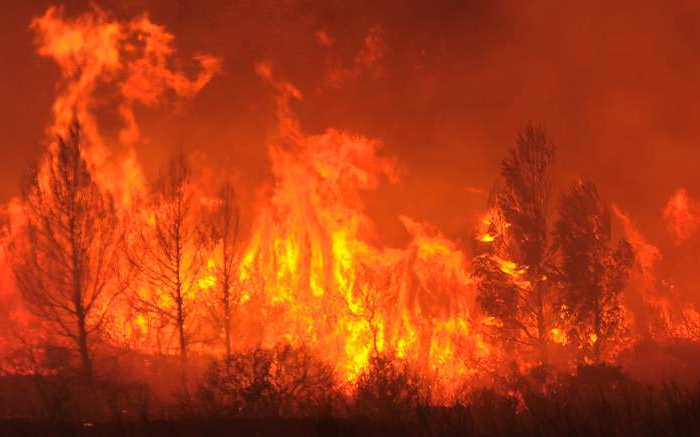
(558, 336)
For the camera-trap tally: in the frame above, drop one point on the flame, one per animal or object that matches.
(646, 254)
(487, 238)
(311, 272)
(664, 313)
(94, 50)
(681, 216)
(310, 257)
(493, 228)
(208, 279)
(558, 336)
(592, 338)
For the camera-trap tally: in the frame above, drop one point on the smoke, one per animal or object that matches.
(659, 308)
(367, 61)
(647, 255)
(643, 288)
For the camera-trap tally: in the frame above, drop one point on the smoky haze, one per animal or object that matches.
(445, 85)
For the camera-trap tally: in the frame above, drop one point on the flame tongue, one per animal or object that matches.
(310, 260)
(309, 274)
(94, 50)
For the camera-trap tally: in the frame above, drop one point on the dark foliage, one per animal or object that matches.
(519, 233)
(592, 273)
(389, 388)
(281, 382)
(596, 401)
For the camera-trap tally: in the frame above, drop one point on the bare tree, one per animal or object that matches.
(519, 235)
(167, 251)
(592, 273)
(224, 233)
(65, 255)
(364, 303)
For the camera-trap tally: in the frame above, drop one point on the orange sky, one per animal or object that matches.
(444, 84)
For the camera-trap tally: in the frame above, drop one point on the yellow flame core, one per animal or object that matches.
(509, 267)
(310, 262)
(487, 238)
(309, 267)
(309, 274)
(592, 338)
(207, 282)
(141, 322)
(558, 336)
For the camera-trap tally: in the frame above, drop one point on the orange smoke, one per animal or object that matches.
(657, 307)
(646, 254)
(367, 61)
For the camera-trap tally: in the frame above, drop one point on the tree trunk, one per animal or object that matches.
(541, 325)
(597, 331)
(180, 319)
(227, 318)
(78, 306)
(181, 329)
(86, 361)
(82, 337)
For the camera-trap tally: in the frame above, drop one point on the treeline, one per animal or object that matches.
(265, 392)
(543, 279)
(549, 279)
(78, 259)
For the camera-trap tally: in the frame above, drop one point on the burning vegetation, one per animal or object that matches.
(177, 300)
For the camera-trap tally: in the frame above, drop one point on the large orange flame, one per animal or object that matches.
(311, 272)
(94, 50)
(310, 259)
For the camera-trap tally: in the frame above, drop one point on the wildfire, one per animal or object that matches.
(674, 316)
(310, 257)
(310, 271)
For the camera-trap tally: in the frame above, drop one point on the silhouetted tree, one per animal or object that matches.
(64, 258)
(513, 273)
(224, 232)
(592, 273)
(498, 292)
(282, 381)
(168, 252)
(390, 388)
(365, 303)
